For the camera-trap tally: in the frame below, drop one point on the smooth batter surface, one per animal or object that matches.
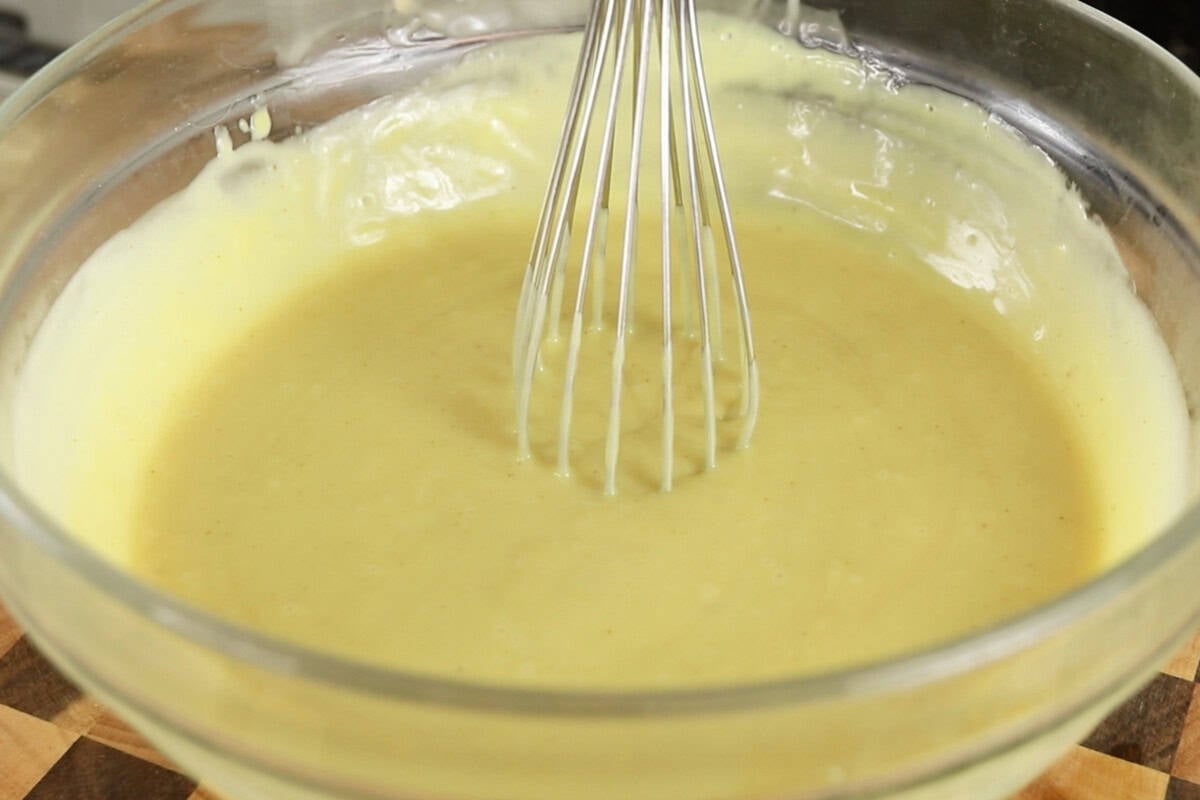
(296, 373)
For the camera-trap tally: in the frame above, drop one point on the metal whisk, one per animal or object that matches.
(620, 36)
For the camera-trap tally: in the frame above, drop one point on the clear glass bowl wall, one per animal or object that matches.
(126, 119)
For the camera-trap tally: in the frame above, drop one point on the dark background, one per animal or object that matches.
(1175, 24)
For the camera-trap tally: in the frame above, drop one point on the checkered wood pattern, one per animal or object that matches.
(1148, 749)
(58, 744)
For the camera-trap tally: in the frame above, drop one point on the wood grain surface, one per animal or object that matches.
(58, 744)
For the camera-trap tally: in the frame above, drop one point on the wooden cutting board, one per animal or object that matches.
(58, 744)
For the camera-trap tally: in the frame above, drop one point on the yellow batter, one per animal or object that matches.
(295, 375)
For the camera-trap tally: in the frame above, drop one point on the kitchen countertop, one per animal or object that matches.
(58, 744)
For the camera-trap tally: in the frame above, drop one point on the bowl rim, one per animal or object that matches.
(943, 661)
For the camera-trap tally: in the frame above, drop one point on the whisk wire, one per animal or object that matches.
(593, 247)
(749, 401)
(554, 220)
(688, 247)
(705, 270)
(669, 192)
(612, 444)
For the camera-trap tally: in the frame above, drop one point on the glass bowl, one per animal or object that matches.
(125, 119)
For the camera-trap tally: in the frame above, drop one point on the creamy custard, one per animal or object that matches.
(295, 375)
